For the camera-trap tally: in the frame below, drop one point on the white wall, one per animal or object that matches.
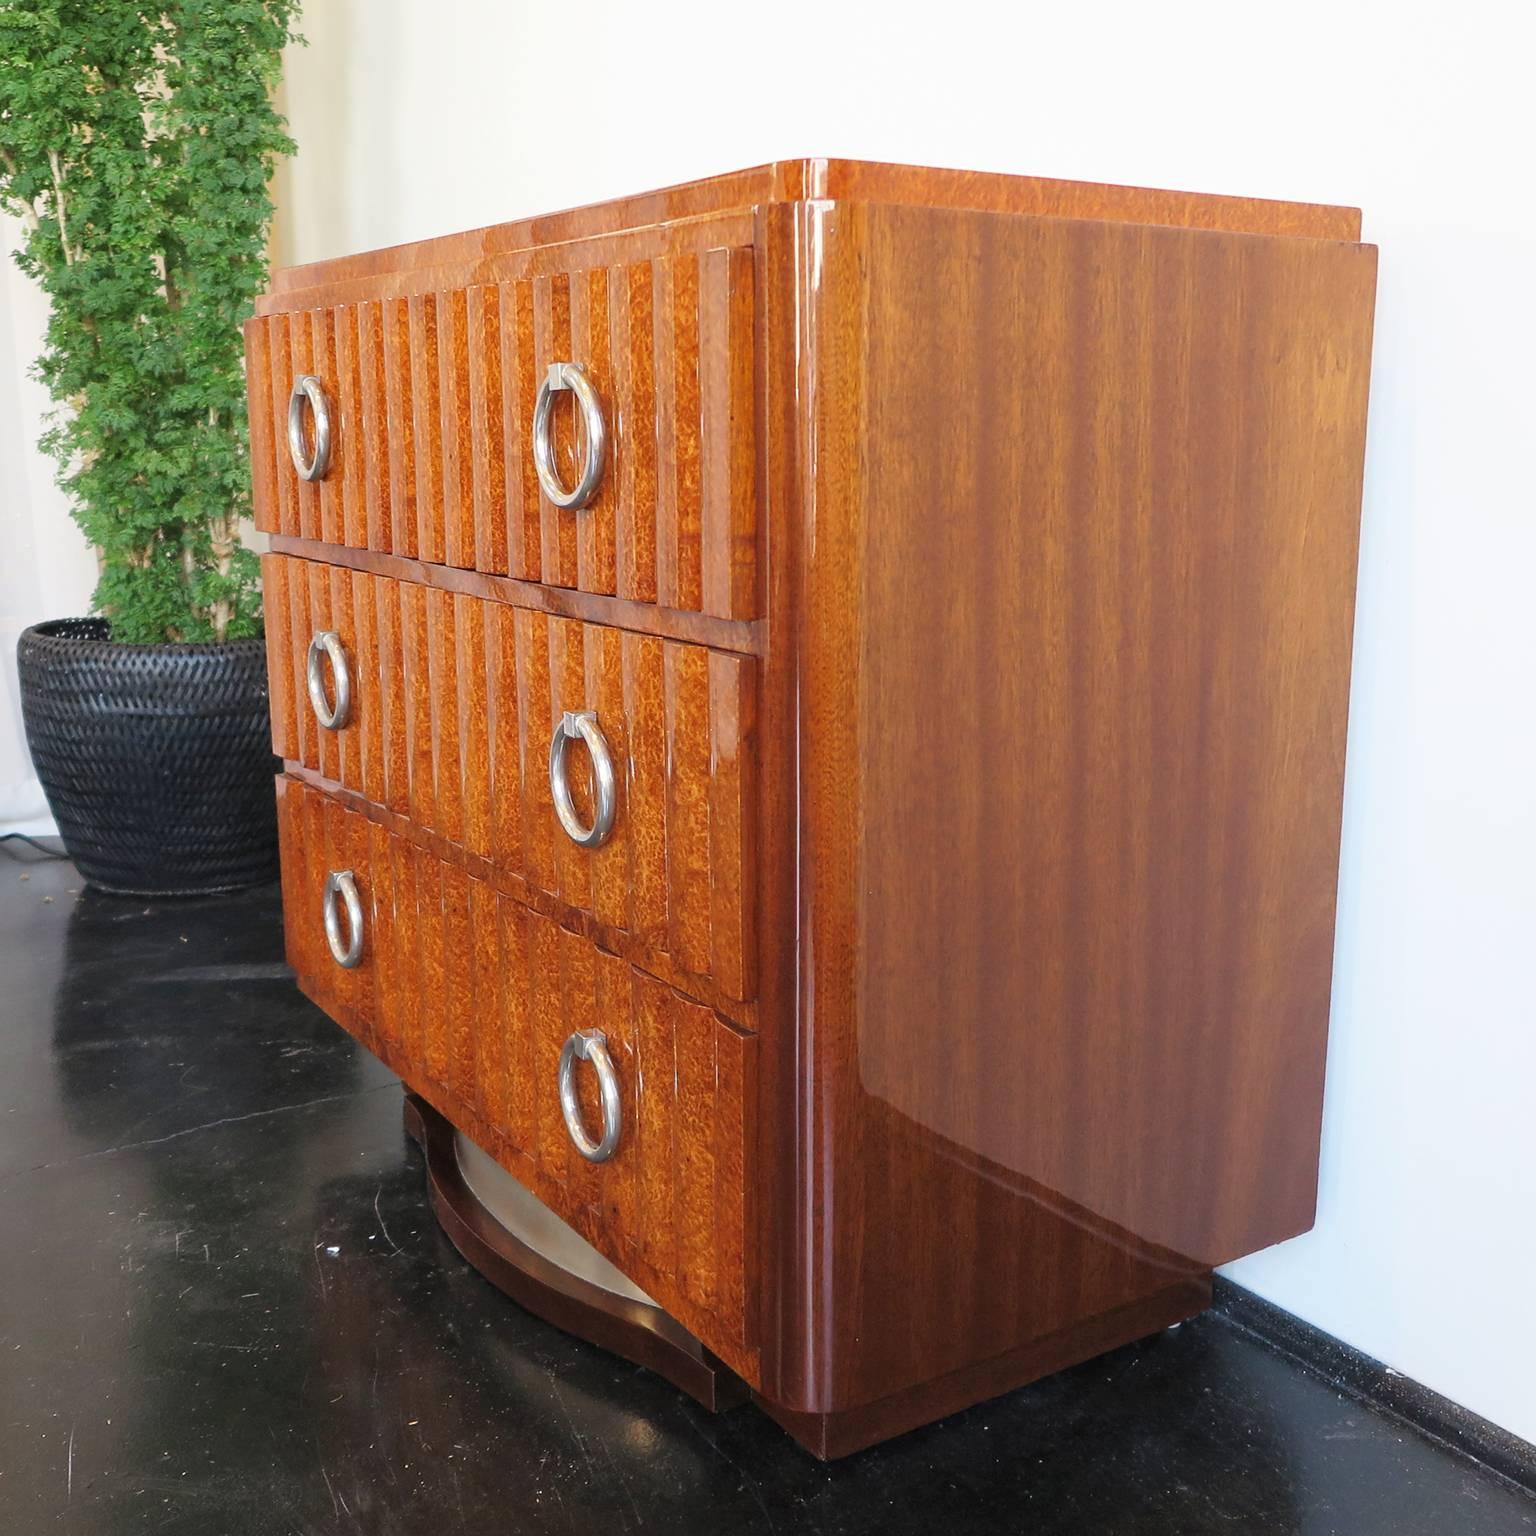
(417, 118)
(46, 568)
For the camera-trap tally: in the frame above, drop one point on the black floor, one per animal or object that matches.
(225, 1309)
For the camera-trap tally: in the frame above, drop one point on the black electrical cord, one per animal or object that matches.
(42, 850)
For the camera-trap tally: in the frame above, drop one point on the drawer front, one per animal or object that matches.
(320, 841)
(471, 996)
(432, 402)
(454, 701)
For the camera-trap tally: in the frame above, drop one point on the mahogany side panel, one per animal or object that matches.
(1067, 896)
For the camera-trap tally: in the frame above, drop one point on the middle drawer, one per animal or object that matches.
(449, 706)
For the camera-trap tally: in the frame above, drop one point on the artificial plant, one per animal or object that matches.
(136, 144)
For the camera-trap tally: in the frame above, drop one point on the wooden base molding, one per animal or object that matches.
(645, 1334)
(841, 1433)
(638, 1332)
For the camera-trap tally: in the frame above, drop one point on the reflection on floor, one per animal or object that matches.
(225, 1309)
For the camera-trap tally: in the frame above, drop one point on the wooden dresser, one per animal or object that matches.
(813, 707)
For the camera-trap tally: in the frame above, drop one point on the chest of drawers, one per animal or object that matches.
(813, 710)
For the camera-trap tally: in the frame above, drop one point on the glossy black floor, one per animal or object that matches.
(225, 1309)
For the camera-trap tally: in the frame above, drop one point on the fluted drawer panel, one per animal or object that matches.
(316, 837)
(679, 723)
(470, 996)
(454, 702)
(433, 398)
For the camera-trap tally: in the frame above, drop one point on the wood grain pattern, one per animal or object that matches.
(373, 426)
(967, 608)
(305, 335)
(323, 364)
(1105, 849)
(590, 346)
(400, 422)
(552, 344)
(745, 635)
(459, 533)
(433, 395)
(427, 426)
(280, 673)
(633, 323)
(519, 390)
(258, 384)
(349, 491)
(497, 988)
(459, 697)
(487, 449)
(797, 181)
(280, 377)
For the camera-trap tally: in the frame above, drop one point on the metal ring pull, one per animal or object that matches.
(327, 645)
(583, 724)
(590, 1045)
(571, 376)
(310, 463)
(340, 882)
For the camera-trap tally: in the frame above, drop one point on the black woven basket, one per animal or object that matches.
(156, 759)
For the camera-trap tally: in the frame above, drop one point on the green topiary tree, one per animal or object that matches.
(136, 142)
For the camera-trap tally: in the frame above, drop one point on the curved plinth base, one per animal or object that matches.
(548, 1269)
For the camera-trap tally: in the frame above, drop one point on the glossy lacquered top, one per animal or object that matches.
(786, 181)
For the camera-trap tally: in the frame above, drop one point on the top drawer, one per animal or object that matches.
(431, 406)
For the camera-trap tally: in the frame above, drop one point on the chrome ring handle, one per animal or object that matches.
(327, 645)
(590, 1045)
(582, 724)
(342, 883)
(310, 463)
(571, 376)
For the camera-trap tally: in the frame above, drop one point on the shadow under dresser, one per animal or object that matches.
(813, 711)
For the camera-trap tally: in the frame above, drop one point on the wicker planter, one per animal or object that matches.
(156, 759)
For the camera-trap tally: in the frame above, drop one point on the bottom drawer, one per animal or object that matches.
(471, 997)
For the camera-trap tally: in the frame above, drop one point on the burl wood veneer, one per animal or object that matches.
(965, 604)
